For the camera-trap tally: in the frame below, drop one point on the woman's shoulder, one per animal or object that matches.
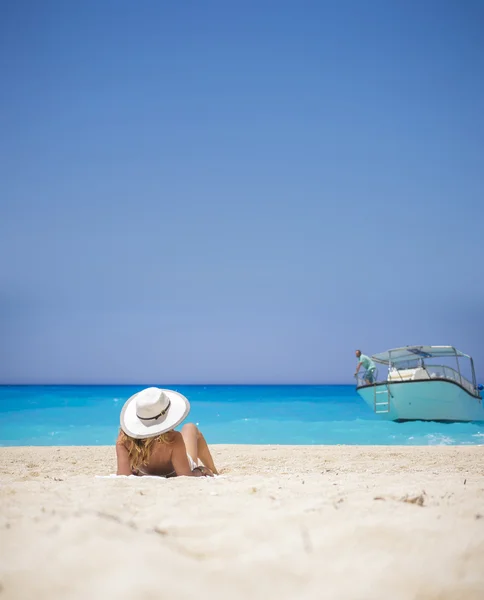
(173, 437)
(170, 438)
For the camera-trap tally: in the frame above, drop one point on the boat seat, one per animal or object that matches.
(400, 375)
(421, 374)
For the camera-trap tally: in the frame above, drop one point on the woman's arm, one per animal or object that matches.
(122, 456)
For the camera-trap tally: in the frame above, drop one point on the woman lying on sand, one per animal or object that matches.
(147, 443)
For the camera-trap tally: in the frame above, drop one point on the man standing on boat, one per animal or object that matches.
(368, 365)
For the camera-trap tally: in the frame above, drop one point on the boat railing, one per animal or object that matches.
(423, 373)
(448, 373)
(362, 378)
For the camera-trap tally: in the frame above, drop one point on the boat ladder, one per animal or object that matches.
(381, 398)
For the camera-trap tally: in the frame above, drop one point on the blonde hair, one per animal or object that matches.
(140, 451)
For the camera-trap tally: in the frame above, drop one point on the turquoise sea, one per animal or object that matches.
(316, 414)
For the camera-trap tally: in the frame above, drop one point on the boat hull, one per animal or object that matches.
(425, 401)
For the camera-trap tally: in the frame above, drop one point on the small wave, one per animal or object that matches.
(439, 440)
(116, 399)
(478, 434)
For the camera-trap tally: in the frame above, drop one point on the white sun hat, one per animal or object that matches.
(153, 411)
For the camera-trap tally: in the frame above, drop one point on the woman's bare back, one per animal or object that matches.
(160, 461)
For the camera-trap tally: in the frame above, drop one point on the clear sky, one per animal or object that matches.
(237, 191)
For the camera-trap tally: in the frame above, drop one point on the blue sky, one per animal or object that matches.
(237, 192)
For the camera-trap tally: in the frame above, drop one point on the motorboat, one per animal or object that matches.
(427, 383)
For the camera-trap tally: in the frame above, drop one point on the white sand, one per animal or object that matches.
(282, 522)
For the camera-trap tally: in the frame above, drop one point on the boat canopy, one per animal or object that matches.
(413, 352)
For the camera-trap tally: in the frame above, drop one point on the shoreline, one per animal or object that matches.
(306, 522)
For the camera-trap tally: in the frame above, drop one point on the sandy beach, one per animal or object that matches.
(336, 522)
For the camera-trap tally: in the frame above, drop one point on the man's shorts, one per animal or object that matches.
(370, 375)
